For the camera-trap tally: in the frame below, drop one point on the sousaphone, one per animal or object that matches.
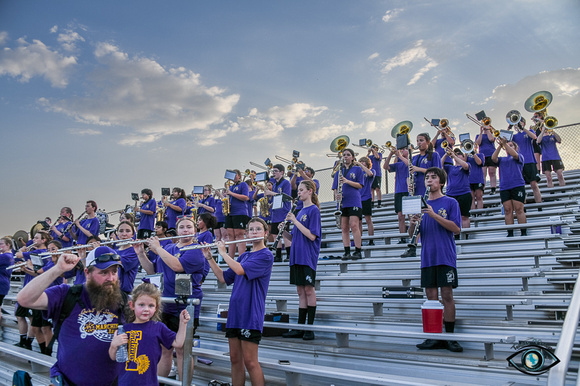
(402, 128)
(20, 239)
(339, 143)
(538, 101)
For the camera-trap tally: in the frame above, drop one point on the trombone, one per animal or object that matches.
(485, 123)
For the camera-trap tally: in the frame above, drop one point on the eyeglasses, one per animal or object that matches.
(106, 257)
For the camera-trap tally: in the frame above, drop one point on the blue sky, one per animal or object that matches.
(99, 99)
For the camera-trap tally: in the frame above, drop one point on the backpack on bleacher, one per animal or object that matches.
(21, 378)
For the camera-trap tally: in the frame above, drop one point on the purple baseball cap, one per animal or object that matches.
(103, 257)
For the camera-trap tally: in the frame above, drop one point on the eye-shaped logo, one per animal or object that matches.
(533, 359)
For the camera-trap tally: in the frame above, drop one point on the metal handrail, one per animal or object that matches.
(557, 374)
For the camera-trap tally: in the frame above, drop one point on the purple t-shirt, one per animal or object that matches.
(205, 237)
(487, 147)
(147, 221)
(510, 172)
(129, 268)
(250, 202)
(549, 149)
(350, 195)
(422, 161)
(85, 335)
(248, 299)
(525, 146)
(239, 207)
(376, 164)
(61, 227)
(299, 204)
(401, 174)
(441, 151)
(26, 256)
(476, 171)
(437, 243)
(282, 186)
(172, 214)
(6, 260)
(219, 210)
(457, 180)
(144, 346)
(193, 263)
(304, 251)
(365, 192)
(48, 265)
(209, 201)
(90, 224)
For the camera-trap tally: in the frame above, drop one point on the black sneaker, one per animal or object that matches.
(432, 344)
(293, 334)
(453, 346)
(411, 252)
(277, 259)
(309, 335)
(371, 242)
(356, 255)
(402, 241)
(346, 256)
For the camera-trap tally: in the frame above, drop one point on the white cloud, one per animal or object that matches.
(36, 59)
(430, 64)
(3, 37)
(140, 94)
(68, 40)
(390, 14)
(84, 131)
(416, 54)
(331, 131)
(211, 137)
(370, 111)
(54, 29)
(373, 56)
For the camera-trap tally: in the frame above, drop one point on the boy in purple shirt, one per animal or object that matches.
(366, 196)
(525, 140)
(147, 210)
(85, 228)
(440, 221)
(174, 208)
(512, 187)
(401, 169)
(237, 219)
(458, 183)
(476, 161)
(550, 157)
(486, 142)
(279, 185)
(376, 158)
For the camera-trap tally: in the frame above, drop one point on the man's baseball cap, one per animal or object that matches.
(103, 257)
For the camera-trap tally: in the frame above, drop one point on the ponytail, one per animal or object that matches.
(310, 185)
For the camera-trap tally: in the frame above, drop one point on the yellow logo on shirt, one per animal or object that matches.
(352, 176)
(443, 213)
(136, 363)
(303, 218)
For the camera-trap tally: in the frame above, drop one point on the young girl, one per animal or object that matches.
(458, 183)
(426, 158)
(205, 222)
(250, 275)
(145, 335)
(304, 256)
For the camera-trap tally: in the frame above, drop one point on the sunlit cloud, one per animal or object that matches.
(373, 56)
(332, 131)
(68, 39)
(370, 111)
(212, 137)
(405, 58)
(84, 131)
(390, 14)
(3, 37)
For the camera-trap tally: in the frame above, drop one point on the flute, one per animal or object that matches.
(225, 243)
(131, 242)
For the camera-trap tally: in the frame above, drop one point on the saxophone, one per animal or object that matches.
(264, 206)
(338, 212)
(226, 206)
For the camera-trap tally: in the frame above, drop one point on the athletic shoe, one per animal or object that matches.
(293, 334)
(356, 255)
(453, 346)
(432, 344)
(346, 256)
(411, 252)
(308, 335)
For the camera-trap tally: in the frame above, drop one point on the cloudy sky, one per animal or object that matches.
(101, 99)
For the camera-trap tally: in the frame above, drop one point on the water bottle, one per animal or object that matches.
(122, 352)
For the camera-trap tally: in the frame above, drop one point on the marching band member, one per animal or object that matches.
(62, 223)
(174, 208)
(268, 218)
(129, 259)
(486, 142)
(421, 162)
(147, 209)
(525, 140)
(512, 188)
(170, 261)
(85, 228)
(305, 174)
(476, 177)
(279, 185)
(250, 275)
(445, 136)
(207, 203)
(550, 157)
(219, 231)
(401, 169)
(351, 206)
(458, 183)
(6, 260)
(304, 253)
(376, 159)
(365, 195)
(538, 119)
(238, 218)
(251, 203)
(205, 223)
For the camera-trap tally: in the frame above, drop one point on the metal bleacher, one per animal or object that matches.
(510, 290)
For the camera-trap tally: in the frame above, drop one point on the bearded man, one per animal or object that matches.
(86, 333)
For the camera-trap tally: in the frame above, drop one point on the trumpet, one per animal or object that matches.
(513, 117)
(225, 243)
(444, 124)
(467, 147)
(389, 146)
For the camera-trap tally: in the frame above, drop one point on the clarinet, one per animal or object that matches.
(286, 223)
(411, 178)
(413, 243)
(338, 212)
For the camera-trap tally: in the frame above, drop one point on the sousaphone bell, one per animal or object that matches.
(339, 143)
(402, 128)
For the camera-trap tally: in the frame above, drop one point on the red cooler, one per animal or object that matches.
(432, 311)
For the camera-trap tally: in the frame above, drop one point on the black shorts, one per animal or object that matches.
(489, 162)
(219, 225)
(367, 207)
(548, 166)
(376, 182)
(274, 228)
(530, 173)
(439, 276)
(475, 187)
(38, 320)
(172, 322)
(399, 201)
(537, 148)
(253, 336)
(237, 222)
(516, 194)
(353, 211)
(1, 300)
(302, 275)
(22, 312)
(144, 233)
(464, 201)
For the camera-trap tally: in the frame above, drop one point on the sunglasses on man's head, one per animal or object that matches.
(106, 257)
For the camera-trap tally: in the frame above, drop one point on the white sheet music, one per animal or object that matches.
(277, 202)
(411, 205)
(36, 260)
